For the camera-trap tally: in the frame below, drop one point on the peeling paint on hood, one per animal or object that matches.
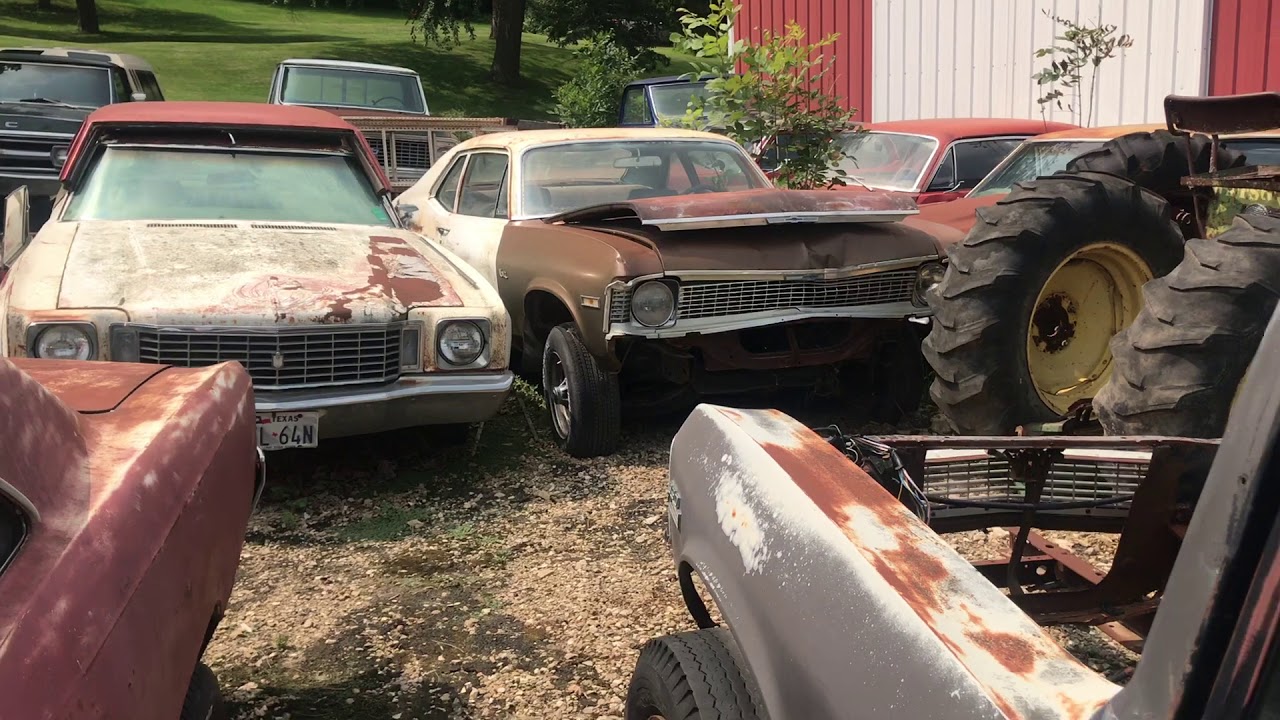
(253, 273)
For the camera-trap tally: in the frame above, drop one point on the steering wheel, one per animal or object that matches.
(699, 189)
(378, 102)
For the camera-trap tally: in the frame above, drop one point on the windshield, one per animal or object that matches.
(1259, 151)
(352, 88)
(888, 161)
(81, 86)
(560, 178)
(670, 102)
(146, 183)
(1031, 160)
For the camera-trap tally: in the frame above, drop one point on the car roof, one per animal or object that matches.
(244, 114)
(348, 65)
(665, 80)
(522, 139)
(86, 55)
(949, 129)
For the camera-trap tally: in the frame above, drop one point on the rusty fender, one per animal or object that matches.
(844, 604)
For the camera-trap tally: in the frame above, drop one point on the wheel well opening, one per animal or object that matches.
(693, 599)
(542, 312)
(214, 619)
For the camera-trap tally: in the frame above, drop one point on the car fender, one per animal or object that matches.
(843, 603)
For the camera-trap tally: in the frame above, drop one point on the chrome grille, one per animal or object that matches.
(310, 358)
(1071, 479)
(620, 305)
(29, 154)
(411, 152)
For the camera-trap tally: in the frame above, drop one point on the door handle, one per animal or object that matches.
(442, 231)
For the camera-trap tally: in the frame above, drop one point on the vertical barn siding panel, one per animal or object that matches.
(982, 56)
(850, 19)
(1246, 46)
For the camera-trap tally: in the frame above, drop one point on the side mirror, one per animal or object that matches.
(406, 213)
(138, 96)
(16, 225)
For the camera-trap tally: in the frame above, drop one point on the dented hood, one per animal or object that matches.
(747, 208)
(253, 273)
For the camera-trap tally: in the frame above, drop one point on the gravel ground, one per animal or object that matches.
(391, 578)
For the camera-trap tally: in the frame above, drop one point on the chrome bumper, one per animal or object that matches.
(432, 399)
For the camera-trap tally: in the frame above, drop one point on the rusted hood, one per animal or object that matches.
(88, 387)
(769, 206)
(254, 273)
(958, 214)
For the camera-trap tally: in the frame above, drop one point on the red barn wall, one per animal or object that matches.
(851, 19)
(1245, 44)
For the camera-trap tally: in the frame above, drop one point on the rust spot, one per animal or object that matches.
(1011, 651)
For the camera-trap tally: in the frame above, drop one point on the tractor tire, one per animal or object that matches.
(1179, 365)
(693, 675)
(583, 399)
(1024, 316)
(1156, 160)
(203, 700)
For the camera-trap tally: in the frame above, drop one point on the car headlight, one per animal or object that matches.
(63, 342)
(411, 348)
(653, 303)
(927, 278)
(460, 342)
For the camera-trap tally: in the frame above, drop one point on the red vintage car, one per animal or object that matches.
(125, 491)
(933, 161)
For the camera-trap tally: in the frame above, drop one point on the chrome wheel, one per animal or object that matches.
(558, 395)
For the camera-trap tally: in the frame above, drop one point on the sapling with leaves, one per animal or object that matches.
(781, 96)
(1079, 49)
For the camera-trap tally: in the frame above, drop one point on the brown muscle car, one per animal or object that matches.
(125, 491)
(652, 266)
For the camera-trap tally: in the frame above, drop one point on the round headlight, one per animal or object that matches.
(928, 277)
(653, 304)
(63, 342)
(461, 343)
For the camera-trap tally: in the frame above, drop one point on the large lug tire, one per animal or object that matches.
(1024, 316)
(582, 398)
(1156, 160)
(204, 699)
(1179, 366)
(694, 675)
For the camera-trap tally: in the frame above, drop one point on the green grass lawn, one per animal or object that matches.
(227, 49)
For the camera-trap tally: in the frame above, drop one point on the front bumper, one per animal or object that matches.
(39, 186)
(431, 399)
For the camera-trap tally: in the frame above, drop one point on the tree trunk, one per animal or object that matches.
(44, 4)
(508, 24)
(88, 12)
(493, 18)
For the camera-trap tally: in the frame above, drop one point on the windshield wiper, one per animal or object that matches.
(46, 101)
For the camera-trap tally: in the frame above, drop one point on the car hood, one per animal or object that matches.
(958, 214)
(240, 273)
(41, 117)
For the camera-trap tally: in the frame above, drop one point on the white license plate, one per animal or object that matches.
(277, 431)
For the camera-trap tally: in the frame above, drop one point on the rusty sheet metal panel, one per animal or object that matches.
(751, 207)
(1245, 47)
(142, 513)
(850, 19)
(840, 598)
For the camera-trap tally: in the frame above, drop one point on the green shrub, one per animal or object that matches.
(591, 98)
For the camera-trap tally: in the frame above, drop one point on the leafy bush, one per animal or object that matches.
(782, 94)
(591, 98)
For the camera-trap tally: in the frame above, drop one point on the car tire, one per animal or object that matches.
(694, 675)
(1178, 367)
(998, 300)
(583, 400)
(1156, 160)
(204, 699)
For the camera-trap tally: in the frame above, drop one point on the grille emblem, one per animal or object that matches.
(11, 124)
(277, 361)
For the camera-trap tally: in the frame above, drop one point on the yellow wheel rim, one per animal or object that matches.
(1094, 294)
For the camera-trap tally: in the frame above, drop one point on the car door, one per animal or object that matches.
(964, 165)
(469, 209)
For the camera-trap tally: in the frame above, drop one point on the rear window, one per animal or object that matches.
(352, 88)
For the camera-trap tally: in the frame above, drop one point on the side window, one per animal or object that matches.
(975, 159)
(120, 86)
(447, 191)
(13, 529)
(635, 109)
(945, 177)
(483, 185)
(149, 85)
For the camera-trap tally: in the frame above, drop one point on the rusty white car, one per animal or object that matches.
(189, 234)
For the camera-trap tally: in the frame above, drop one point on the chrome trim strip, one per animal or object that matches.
(890, 311)
(408, 386)
(814, 274)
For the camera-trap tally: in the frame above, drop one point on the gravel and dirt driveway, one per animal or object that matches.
(387, 577)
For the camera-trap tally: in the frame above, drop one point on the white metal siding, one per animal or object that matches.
(975, 58)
